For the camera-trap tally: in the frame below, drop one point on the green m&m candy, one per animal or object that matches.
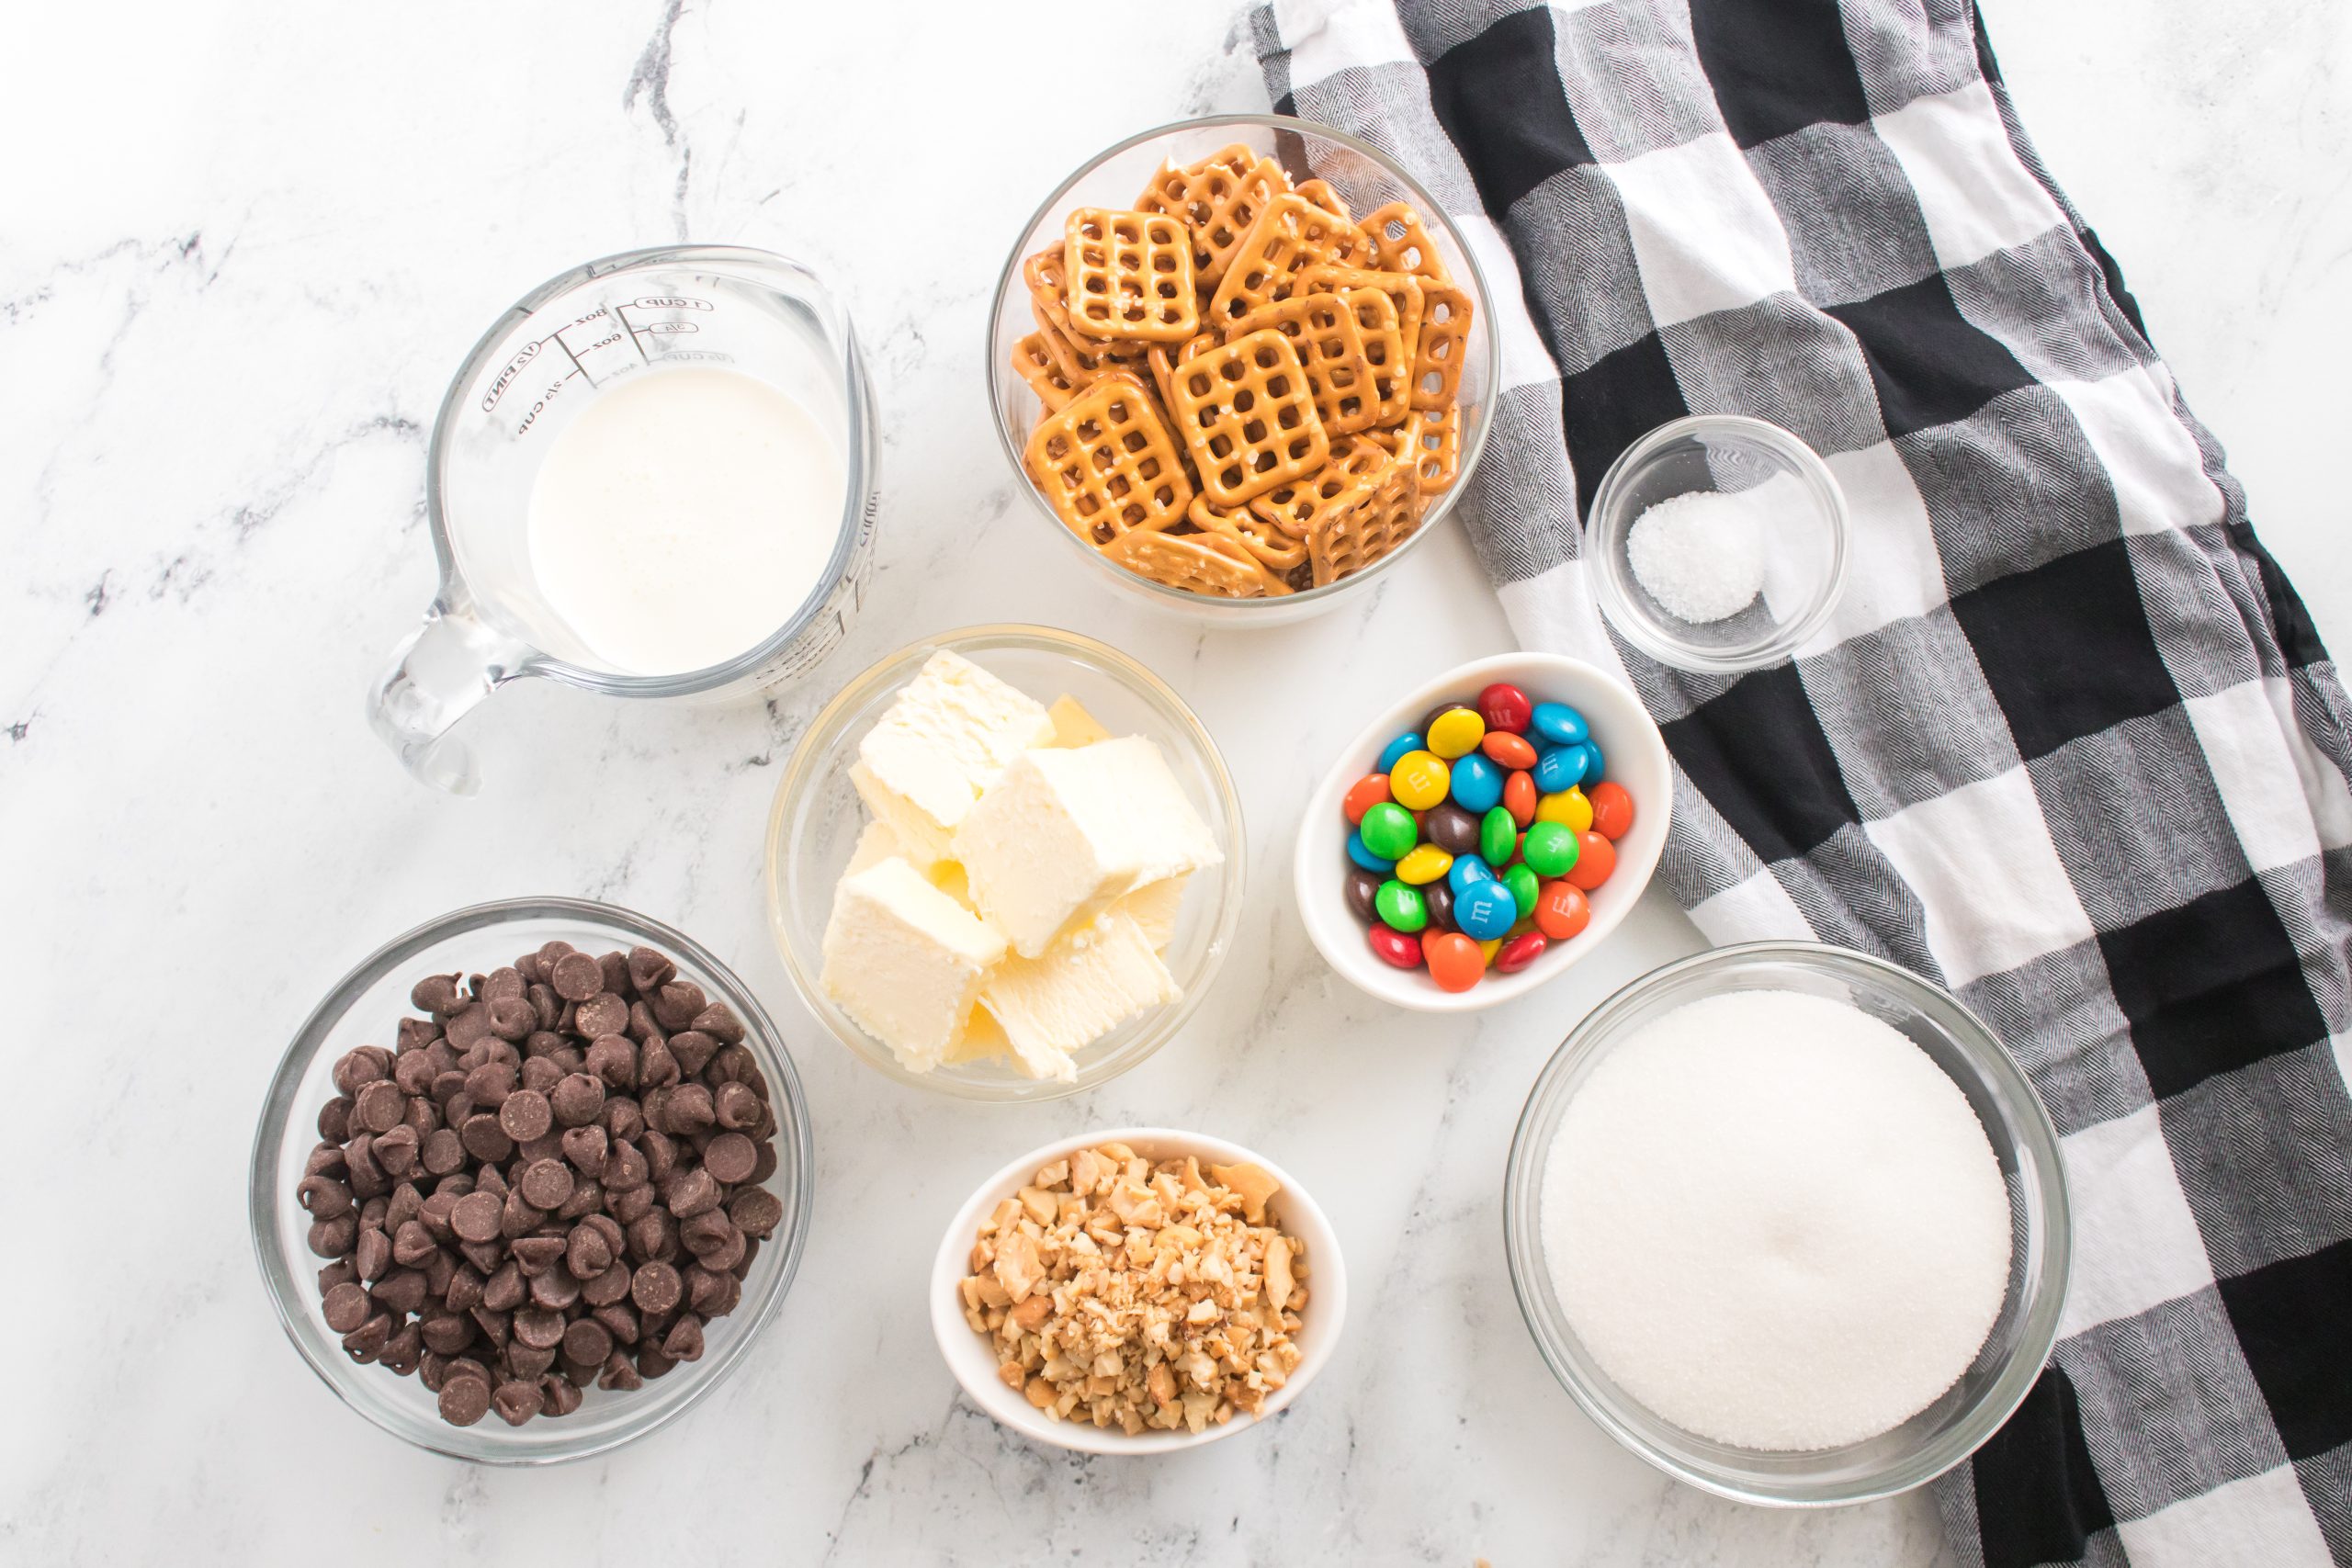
(1388, 830)
(1550, 849)
(1497, 836)
(1400, 906)
(1524, 889)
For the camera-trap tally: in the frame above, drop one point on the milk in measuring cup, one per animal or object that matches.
(683, 517)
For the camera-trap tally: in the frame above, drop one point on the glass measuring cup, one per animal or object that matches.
(532, 374)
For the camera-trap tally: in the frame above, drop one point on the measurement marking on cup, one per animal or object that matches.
(547, 396)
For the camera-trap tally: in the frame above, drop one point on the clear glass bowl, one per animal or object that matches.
(1798, 503)
(817, 817)
(2023, 1141)
(362, 1009)
(1361, 172)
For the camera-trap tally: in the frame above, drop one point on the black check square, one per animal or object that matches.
(2291, 1318)
(1510, 62)
(2037, 1495)
(1778, 68)
(1613, 403)
(1757, 752)
(2066, 647)
(2210, 987)
(1930, 365)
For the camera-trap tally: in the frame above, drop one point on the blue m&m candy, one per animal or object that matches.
(1466, 870)
(1396, 749)
(1366, 859)
(1485, 911)
(1477, 783)
(1562, 768)
(1560, 724)
(1591, 764)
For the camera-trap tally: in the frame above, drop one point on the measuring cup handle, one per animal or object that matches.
(437, 677)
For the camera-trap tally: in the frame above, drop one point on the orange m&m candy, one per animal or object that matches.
(1613, 808)
(1508, 751)
(1519, 798)
(1363, 794)
(1561, 911)
(1455, 960)
(1596, 858)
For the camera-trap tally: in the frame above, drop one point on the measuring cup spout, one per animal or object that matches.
(437, 677)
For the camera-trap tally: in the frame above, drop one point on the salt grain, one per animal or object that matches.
(1700, 554)
(1775, 1221)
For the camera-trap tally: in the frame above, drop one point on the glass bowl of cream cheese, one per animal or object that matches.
(1105, 848)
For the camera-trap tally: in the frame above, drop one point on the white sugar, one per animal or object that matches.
(1775, 1221)
(1701, 556)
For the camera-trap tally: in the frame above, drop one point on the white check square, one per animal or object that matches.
(1327, 37)
(2253, 747)
(2159, 477)
(2136, 1241)
(2264, 1518)
(1892, 567)
(1976, 195)
(1705, 233)
(1981, 861)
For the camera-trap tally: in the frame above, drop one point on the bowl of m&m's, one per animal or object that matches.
(1484, 833)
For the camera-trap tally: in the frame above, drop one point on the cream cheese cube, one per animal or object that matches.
(943, 740)
(1087, 983)
(1062, 833)
(1073, 725)
(905, 961)
(1154, 908)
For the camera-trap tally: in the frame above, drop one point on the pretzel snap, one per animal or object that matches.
(1105, 463)
(1129, 276)
(1248, 417)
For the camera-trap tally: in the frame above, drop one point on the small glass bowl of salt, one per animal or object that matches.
(1717, 543)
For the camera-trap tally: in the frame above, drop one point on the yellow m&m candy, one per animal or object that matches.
(1569, 807)
(1419, 781)
(1456, 732)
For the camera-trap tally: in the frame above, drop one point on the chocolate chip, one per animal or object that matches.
(584, 1147)
(650, 970)
(689, 1110)
(518, 1401)
(719, 1018)
(401, 1292)
(555, 1289)
(560, 1394)
(372, 1254)
(346, 1307)
(576, 976)
(323, 1196)
(526, 1114)
(512, 1018)
(435, 994)
(692, 1192)
(484, 1138)
(608, 1287)
(739, 1108)
(729, 1157)
(656, 1287)
(411, 1244)
(538, 1254)
(618, 1374)
(588, 1342)
(546, 1184)
(756, 1212)
(464, 1401)
(332, 1238)
(443, 1152)
(577, 1100)
(377, 1106)
(503, 1290)
(693, 1050)
(676, 1003)
(475, 1217)
(602, 1013)
(396, 1150)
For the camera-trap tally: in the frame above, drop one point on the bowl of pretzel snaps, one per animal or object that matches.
(1244, 364)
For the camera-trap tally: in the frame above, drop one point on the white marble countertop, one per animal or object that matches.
(242, 254)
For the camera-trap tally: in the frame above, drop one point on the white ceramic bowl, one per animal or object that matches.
(1635, 757)
(972, 1356)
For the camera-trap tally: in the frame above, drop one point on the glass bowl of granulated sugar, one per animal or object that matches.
(1717, 543)
(1790, 1224)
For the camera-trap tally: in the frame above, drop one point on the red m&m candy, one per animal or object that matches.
(1395, 946)
(1504, 707)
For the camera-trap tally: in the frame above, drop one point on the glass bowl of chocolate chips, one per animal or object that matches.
(530, 1180)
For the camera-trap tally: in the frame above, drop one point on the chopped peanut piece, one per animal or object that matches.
(1141, 1297)
(1254, 1185)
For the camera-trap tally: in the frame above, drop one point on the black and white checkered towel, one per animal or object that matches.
(2070, 745)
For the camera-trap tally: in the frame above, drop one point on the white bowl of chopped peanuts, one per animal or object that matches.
(1162, 1304)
